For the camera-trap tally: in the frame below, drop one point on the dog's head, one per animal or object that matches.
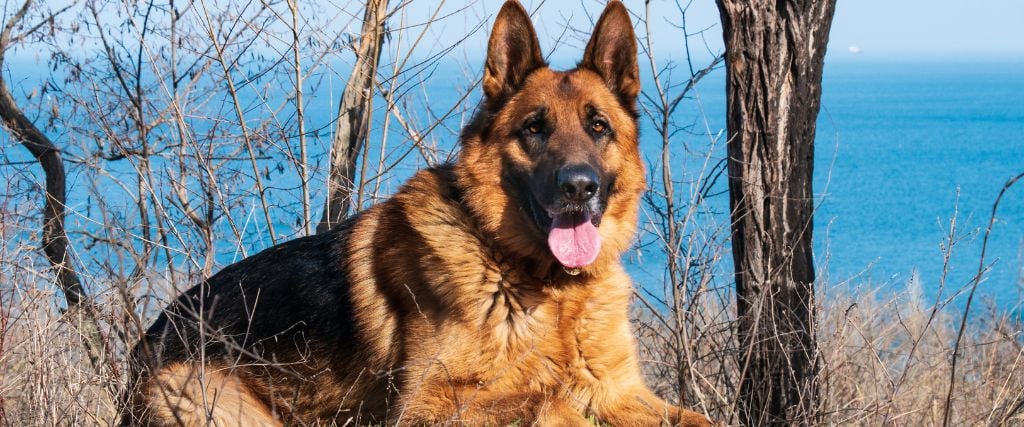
(550, 164)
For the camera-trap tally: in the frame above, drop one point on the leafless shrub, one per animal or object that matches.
(880, 362)
(189, 147)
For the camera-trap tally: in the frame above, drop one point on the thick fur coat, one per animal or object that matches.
(443, 304)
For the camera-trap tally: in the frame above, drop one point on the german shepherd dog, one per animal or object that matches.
(485, 292)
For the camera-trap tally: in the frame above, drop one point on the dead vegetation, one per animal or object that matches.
(179, 129)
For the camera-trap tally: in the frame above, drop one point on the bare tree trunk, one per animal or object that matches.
(774, 57)
(55, 239)
(354, 114)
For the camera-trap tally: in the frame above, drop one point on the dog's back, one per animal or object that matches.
(312, 329)
(488, 292)
(277, 322)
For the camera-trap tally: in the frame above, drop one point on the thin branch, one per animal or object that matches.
(54, 237)
(970, 298)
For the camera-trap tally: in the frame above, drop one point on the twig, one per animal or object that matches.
(970, 298)
(55, 239)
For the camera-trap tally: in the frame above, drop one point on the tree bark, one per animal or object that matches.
(354, 114)
(54, 237)
(774, 57)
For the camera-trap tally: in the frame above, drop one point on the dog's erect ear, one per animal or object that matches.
(611, 52)
(512, 53)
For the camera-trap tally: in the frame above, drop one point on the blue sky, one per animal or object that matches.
(941, 28)
(893, 29)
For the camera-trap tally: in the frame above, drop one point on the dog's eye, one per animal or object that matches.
(533, 128)
(599, 127)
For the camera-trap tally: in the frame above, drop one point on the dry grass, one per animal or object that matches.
(160, 194)
(883, 362)
(872, 372)
(887, 362)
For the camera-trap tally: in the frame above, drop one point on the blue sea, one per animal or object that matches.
(902, 145)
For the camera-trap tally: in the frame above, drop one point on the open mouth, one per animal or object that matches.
(573, 238)
(572, 234)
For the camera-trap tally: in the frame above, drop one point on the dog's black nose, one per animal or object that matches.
(578, 182)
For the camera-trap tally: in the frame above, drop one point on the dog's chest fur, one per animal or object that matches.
(492, 319)
(536, 326)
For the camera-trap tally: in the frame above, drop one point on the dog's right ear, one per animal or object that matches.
(513, 52)
(611, 52)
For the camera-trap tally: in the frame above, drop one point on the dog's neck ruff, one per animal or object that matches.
(546, 271)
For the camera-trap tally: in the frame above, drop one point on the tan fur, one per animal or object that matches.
(462, 314)
(190, 395)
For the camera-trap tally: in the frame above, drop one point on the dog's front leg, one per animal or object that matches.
(638, 406)
(474, 406)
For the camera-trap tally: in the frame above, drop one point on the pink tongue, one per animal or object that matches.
(574, 240)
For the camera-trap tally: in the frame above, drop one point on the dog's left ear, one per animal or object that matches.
(513, 52)
(611, 52)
